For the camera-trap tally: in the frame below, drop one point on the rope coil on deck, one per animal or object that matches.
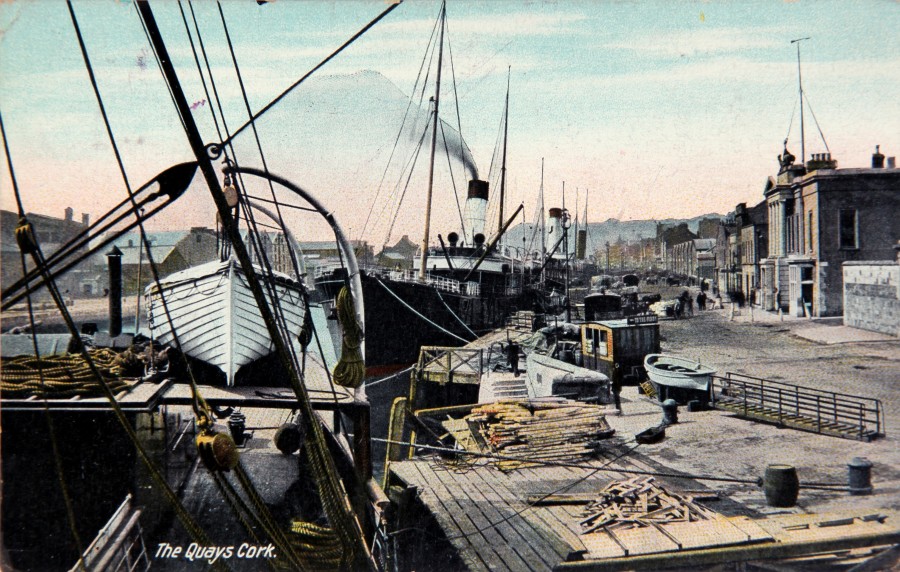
(64, 376)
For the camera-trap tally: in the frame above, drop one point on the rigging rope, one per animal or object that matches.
(414, 159)
(399, 134)
(201, 411)
(334, 498)
(12, 173)
(414, 311)
(462, 222)
(28, 244)
(51, 429)
(816, 121)
(458, 319)
(313, 70)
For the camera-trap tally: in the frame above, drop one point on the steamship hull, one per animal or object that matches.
(403, 315)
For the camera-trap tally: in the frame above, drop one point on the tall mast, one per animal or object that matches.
(800, 83)
(503, 167)
(543, 221)
(437, 95)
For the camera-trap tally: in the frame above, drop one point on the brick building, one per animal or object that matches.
(821, 217)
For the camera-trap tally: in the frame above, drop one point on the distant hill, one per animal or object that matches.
(612, 230)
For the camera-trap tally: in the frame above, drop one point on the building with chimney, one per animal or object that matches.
(51, 234)
(171, 251)
(819, 218)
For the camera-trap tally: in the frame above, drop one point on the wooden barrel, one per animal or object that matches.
(781, 485)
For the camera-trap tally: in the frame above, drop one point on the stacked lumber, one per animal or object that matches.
(561, 430)
(639, 502)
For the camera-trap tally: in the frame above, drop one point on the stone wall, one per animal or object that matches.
(872, 296)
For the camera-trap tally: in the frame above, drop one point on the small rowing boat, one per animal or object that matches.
(671, 371)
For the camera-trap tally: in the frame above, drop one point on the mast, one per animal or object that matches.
(543, 225)
(503, 167)
(423, 265)
(800, 83)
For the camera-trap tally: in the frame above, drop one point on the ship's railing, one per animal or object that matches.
(803, 408)
(439, 282)
(119, 545)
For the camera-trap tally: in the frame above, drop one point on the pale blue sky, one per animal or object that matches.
(658, 108)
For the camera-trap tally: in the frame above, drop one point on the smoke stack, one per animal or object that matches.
(476, 207)
(554, 227)
(114, 260)
(877, 158)
(581, 244)
(69, 212)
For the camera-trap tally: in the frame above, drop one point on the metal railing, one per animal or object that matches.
(439, 282)
(804, 408)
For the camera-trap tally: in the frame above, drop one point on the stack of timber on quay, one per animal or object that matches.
(466, 503)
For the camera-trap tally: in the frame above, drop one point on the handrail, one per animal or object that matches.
(767, 398)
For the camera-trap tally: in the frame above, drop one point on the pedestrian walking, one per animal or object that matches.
(512, 355)
(617, 385)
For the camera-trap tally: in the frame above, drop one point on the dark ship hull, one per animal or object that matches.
(402, 316)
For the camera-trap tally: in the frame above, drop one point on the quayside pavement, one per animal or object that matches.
(843, 360)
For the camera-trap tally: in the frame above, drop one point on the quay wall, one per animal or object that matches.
(872, 296)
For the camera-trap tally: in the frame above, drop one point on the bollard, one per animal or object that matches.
(860, 476)
(781, 485)
(237, 425)
(670, 412)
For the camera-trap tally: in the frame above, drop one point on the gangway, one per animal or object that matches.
(789, 405)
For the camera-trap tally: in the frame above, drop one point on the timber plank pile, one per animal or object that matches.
(639, 502)
(559, 430)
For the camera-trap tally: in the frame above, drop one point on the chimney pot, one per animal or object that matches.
(877, 158)
(892, 162)
(69, 213)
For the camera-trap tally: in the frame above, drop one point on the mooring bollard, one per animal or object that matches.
(781, 485)
(860, 476)
(237, 425)
(670, 412)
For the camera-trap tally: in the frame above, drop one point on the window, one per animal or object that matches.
(849, 229)
(600, 342)
(809, 231)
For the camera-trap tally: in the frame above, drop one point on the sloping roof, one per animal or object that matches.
(702, 244)
(161, 245)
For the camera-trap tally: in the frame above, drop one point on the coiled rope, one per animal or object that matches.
(64, 376)
(351, 368)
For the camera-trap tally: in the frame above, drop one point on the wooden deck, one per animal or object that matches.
(143, 396)
(529, 519)
(515, 520)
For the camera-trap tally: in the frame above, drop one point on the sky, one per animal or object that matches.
(646, 110)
